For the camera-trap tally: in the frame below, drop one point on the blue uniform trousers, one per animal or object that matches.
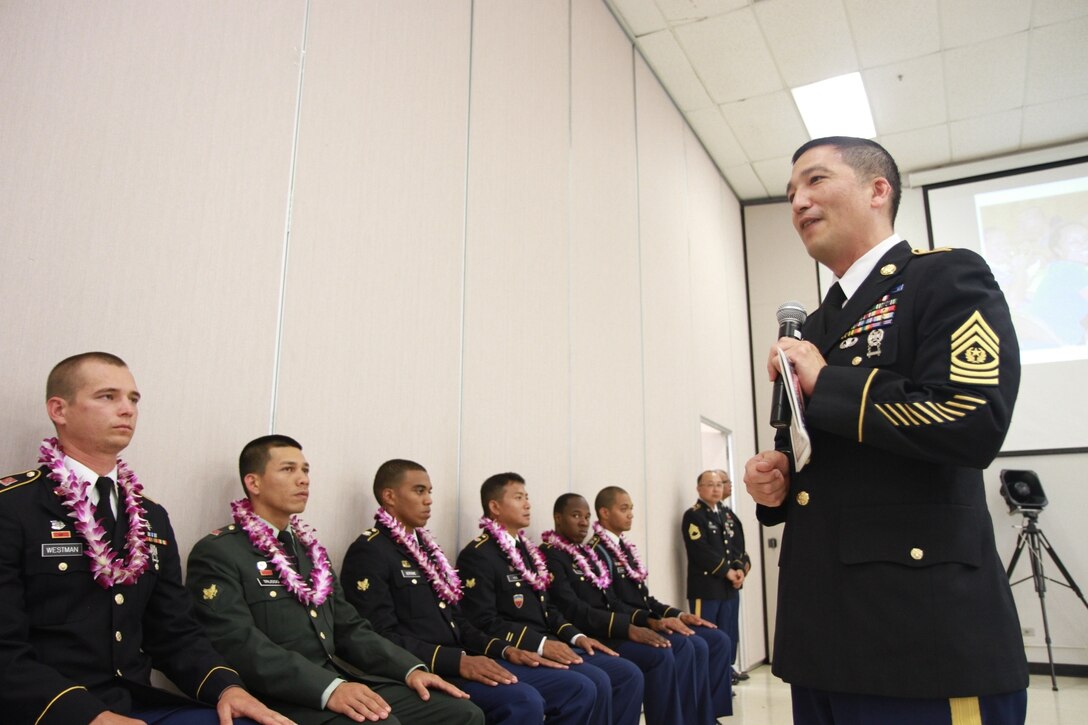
(725, 613)
(620, 688)
(819, 707)
(562, 696)
(719, 668)
(665, 671)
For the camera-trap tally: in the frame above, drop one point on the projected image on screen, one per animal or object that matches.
(1031, 226)
(1036, 241)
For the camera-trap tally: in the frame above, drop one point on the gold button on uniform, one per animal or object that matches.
(917, 554)
(119, 598)
(887, 270)
(441, 605)
(272, 594)
(856, 360)
(313, 613)
(117, 635)
(321, 635)
(63, 566)
(802, 498)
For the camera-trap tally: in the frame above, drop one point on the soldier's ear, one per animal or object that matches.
(385, 497)
(252, 482)
(493, 508)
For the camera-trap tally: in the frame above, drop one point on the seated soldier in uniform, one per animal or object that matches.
(401, 581)
(615, 512)
(90, 578)
(506, 596)
(266, 594)
(582, 589)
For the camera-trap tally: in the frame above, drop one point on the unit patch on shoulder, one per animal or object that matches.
(693, 532)
(975, 352)
(18, 479)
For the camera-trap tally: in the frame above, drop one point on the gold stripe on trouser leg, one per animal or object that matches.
(965, 711)
(698, 607)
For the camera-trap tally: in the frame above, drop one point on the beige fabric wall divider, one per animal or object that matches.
(504, 251)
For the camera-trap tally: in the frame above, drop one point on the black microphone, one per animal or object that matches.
(791, 315)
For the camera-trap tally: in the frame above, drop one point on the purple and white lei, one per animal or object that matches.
(636, 570)
(107, 568)
(260, 535)
(539, 579)
(443, 577)
(582, 555)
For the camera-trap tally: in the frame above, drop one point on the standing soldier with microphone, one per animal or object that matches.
(893, 605)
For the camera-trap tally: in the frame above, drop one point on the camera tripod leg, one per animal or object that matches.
(1039, 577)
(1061, 567)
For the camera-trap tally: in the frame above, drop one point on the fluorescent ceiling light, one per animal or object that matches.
(835, 107)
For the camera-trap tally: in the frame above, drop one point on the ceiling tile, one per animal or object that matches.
(809, 39)
(887, 31)
(964, 22)
(920, 149)
(671, 66)
(711, 128)
(765, 125)
(1045, 12)
(641, 16)
(986, 77)
(730, 56)
(774, 173)
(984, 136)
(907, 95)
(686, 11)
(745, 184)
(1055, 122)
(1058, 62)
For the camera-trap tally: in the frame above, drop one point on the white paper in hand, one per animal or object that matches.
(799, 438)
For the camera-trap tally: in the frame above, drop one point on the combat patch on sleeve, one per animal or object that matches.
(975, 352)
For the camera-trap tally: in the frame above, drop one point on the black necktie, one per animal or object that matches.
(103, 511)
(833, 305)
(288, 542)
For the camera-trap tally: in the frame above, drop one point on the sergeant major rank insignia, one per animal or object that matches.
(694, 533)
(975, 352)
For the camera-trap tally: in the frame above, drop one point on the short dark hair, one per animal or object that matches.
(699, 478)
(561, 502)
(491, 489)
(390, 473)
(64, 380)
(605, 498)
(866, 157)
(255, 455)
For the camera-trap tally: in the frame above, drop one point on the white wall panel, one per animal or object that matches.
(142, 159)
(605, 319)
(516, 388)
(672, 420)
(371, 339)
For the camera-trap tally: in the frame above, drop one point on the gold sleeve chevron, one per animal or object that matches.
(918, 413)
(975, 352)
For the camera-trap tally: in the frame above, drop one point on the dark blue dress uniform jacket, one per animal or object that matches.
(712, 552)
(387, 587)
(501, 604)
(70, 649)
(633, 594)
(890, 581)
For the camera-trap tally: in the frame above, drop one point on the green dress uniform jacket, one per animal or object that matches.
(714, 540)
(890, 582)
(288, 652)
(69, 649)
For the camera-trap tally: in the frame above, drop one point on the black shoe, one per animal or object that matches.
(739, 676)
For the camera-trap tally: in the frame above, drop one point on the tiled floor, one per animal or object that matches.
(765, 700)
